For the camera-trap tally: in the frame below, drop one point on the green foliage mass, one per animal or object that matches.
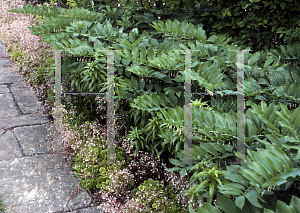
(252, 23)
(150, 78)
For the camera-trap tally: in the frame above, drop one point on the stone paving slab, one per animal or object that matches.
(40, 183)
(25, 97)
(9, 148)
(32, 139)
(3, 89)
(22, 120)
(8, 78)
(7, 106)
(5, 62)
(2, 50)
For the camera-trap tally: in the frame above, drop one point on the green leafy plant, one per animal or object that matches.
(282, 206)
(208, 178)
(280, 128)
(257, 22)
(270, 169)
(159, 198)
(168, 127)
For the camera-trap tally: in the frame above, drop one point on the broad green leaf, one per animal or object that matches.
(134, 82)
(209, 148)
(260, 170)
(142, 83)
(282, 5)
(264, 161)
(258, 111)
(279, 153)
(207, 208)
(283, 207)
(181, 33)
(231, 189)
(226, 204)
(150, 54)
(162, 25)
(169, 24)
(285, 110)
(295, 203)
(240, 202)
(143, 53)
(149, 86)
(277, 181)
(109, 30)
(157, 87)
(252, 195)
(274, 140)
(158, 75)
(135, 53)
(294, 172)
(235, 178)
(201, 186)
(253, 59)
(211, 193)
(176, 25)
(126, 51)
(172, 99)
(295, 116)
(270, 110)
(268, 211)
(298, 155)
(252, 176)
(132, 37)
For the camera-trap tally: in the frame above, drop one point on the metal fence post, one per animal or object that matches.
(240, 108)
(58, 120)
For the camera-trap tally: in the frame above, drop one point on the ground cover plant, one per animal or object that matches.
(148, 71)
(1, 204)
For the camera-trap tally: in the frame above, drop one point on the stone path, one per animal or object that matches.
(32, 178)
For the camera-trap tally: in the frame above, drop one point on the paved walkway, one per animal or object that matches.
(32, 178)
